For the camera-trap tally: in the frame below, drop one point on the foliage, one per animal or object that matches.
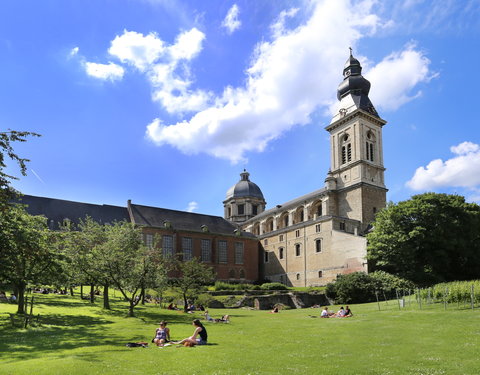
(453, 292)
(6, 150)
(356, 287)
(126, 261)
(390, 284)
(194, 275)
(427, 239)
(25, 254)
(274, 286)
(221, 285)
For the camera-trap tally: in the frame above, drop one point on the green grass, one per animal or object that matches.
(77, 338)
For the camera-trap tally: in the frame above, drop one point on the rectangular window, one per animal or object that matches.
(344, 155)
(238, 252)
(280, 253)
(265, 242)
(297, 233)
(280, 238)
(254, 209)
(187, 248)
(320, 274)
(318, 246)
(297, 250)
(317, 228)
(342, 226)
(371, 151)
(241, 209)
(167, 246)
(266, 256)
(206, 248)
(368, 150)
(149, 240)
(349, 152)
(222, 251)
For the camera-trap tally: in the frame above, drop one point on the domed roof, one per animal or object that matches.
(244, 188)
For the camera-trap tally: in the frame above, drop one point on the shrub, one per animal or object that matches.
(356, 287)
(389, 284)
(273, 286)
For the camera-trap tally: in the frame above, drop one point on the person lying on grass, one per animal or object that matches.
(223, 319)
(193, 340)
(162, 334)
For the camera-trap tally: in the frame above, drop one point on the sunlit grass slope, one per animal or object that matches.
(77, 338)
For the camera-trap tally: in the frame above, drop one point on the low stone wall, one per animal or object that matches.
(295, 300)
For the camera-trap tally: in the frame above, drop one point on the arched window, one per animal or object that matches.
(280, 253)
(346, 149)
(320, 274)
(297, 250)
(231, 274)
(370, 146)
(298, 276)
(242, 274)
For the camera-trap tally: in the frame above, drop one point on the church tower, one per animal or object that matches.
(244, 200)
(356, 168)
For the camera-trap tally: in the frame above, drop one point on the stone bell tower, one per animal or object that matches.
(356, 148)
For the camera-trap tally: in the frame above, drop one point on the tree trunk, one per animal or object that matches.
(71, 291)
(185, 303)
(92, 293)
(142, 294)
(130, 308)
(106, 301)
(20, 288)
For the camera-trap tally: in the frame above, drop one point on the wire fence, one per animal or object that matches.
(454, 295)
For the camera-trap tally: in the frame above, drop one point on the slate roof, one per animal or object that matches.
(181, 220)
(56, 210)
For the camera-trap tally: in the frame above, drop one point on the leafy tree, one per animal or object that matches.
(6, 150)
(25, 252)
(356, 287)
(82, 265)
(126, 261)
(194, 275)
(427, 239)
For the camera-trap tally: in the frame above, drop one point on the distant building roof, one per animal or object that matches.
(181, 220)
(57, 210)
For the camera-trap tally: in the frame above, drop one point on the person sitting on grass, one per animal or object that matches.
(193, 340)
(340, 313)
(208, 317)
(325, 313)
(162, 334)
(348, 312)
(275, 310)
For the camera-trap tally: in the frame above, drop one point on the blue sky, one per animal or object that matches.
(165, 102)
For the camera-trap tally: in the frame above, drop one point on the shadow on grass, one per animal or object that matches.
(58, 333)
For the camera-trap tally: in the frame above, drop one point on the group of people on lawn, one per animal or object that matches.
(199, 337)
(342, 313)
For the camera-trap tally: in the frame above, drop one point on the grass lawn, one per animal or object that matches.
(77, 338)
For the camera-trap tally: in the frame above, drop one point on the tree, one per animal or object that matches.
(6, 149)
(79, 245)
(194, 275)
(126, 261)
(427, 239)
(25, 252)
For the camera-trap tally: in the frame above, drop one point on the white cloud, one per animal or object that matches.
(74, 51)
(192, 206)
(136, 49)
(231, 21)
(278, 27)
(459, 171)
(108, 71)
(396, 76)
(166, 66)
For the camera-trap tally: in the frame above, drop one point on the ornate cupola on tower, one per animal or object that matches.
(356, 170)
(244, 200)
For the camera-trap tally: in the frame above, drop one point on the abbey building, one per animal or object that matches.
(306, 241)
(309, 240)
